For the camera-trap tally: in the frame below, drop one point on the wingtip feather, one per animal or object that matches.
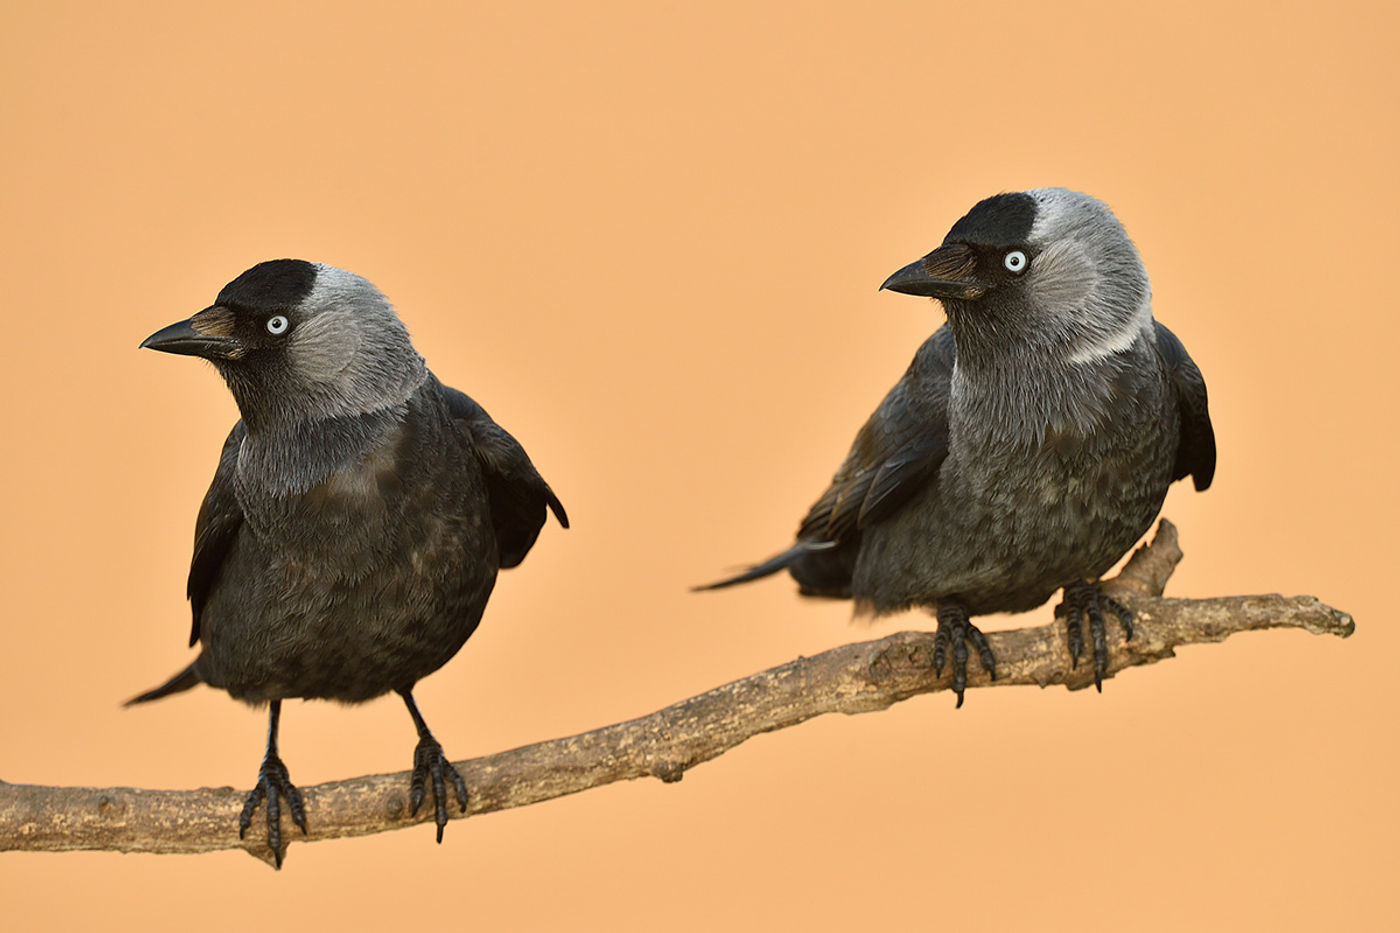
(182, 681)
(758, 571)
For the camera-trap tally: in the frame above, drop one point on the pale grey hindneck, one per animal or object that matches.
(1024, 400)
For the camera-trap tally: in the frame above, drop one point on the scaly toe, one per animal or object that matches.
(274, 785)
(431, 765)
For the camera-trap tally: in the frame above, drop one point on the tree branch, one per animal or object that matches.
(855, 678)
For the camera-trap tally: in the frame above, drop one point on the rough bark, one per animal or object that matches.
(855, 678)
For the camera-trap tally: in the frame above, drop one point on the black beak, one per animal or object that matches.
(208, 334)
(947, 272)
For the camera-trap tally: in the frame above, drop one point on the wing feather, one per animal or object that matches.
(1195, 453)
(519, 495)
(217, 527)
(896, 453)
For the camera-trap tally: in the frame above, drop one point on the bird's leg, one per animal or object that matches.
(955, 627)
(429, 761)
(272, 782)
(1084, 599)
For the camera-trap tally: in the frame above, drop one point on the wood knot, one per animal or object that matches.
(668, 771)
(900, 657)
(107, 808)
(920, 656)
(880, 667)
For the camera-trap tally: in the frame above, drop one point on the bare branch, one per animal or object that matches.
(856, 678)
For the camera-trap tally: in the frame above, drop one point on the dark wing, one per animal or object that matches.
(220, 518)
(518, 493)
(1195, 454)
(897, 452)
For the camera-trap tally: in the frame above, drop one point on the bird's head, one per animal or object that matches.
(1039, 272)
(299, 341)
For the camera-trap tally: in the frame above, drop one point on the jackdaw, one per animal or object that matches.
(1028, 446)
(357, 518)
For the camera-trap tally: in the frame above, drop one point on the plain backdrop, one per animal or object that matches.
(647, 237)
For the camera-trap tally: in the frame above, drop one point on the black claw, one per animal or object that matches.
(960, 667)
(429, 763)
(439, 801)
(459, 787)
(1096, 629)
(984, 651)
(1074, 627)
(245, 819)
(1084, 599)
(1124, 614)
(274, 826)
(955, 628)
(274, 785)
(298, 809)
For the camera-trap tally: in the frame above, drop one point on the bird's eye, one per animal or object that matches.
(1015, 261)
(277, 324)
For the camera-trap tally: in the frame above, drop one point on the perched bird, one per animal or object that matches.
(357, 518)
(1028, 446)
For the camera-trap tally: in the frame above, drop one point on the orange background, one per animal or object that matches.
(647, 238)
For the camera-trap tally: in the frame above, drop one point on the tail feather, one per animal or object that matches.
(770, 566)
(180, 682)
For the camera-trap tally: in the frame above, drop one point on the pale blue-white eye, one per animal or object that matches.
(1015, 261)
(277, 324)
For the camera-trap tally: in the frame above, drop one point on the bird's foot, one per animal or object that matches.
(273, 782)
(955, 628)
(1084, 599)
(430, 762)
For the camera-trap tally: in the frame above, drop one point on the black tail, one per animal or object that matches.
(770, 566)
(181, 681)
